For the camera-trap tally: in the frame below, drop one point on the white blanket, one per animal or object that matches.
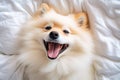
(104, 17)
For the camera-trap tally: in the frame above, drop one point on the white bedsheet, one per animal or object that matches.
(104, 16)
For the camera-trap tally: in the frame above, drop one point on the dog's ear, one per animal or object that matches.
(82, 19)
(44, 8)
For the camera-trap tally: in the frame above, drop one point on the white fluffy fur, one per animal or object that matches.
(73, 64)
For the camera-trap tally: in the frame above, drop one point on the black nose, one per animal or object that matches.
(53, 35)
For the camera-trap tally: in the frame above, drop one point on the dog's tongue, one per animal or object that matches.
(53, 50)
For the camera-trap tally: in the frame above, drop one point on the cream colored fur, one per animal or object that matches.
(75, 63)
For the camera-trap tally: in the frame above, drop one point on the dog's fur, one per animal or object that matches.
(74, 63)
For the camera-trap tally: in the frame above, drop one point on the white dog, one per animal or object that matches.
(56, 47)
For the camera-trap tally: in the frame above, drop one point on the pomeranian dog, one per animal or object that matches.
(56, 47)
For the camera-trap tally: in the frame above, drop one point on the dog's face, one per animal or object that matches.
(57, 35)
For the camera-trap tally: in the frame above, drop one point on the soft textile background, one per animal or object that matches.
(104, 17)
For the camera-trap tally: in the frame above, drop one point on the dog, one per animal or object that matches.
(56, 47)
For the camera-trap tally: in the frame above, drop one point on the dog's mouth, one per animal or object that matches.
(54, 49)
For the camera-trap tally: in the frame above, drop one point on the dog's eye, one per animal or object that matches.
(66, 31)
(48, 27)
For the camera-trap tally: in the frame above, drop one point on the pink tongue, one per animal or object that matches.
(53, 50)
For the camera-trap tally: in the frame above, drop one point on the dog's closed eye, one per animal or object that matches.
(66, 31)
(48, 27)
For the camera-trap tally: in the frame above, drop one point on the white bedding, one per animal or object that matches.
(104, 16)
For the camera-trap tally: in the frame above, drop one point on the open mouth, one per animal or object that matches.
(54, 49)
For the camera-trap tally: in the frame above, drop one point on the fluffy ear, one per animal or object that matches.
(82, 19)
(44, 8)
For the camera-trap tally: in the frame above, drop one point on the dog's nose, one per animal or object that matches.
(53, 35)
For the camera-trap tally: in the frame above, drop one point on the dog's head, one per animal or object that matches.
(58, 35)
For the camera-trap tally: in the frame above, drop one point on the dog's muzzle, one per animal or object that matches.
(53, 47)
